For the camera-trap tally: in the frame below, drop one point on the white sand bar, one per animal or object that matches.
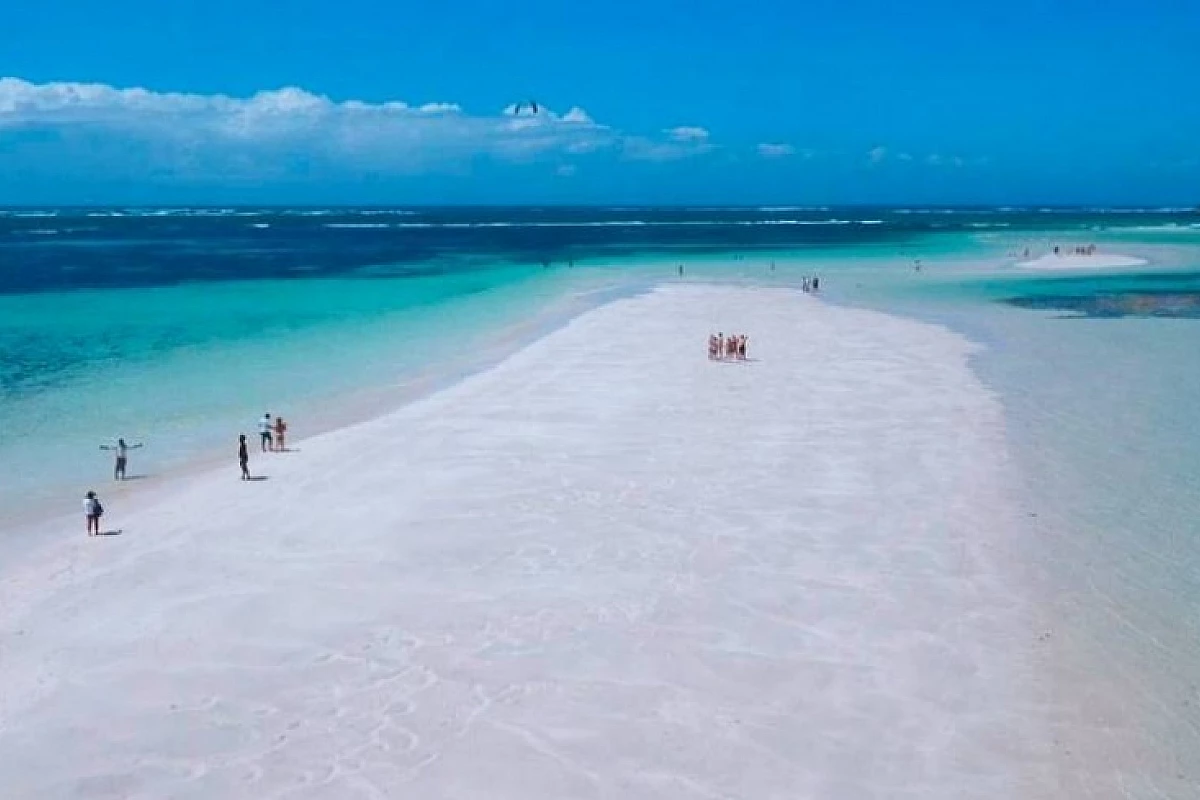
(1097, 261)
(606, 568)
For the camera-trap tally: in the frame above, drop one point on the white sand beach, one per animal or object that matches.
(605, 568)
(1072, 261)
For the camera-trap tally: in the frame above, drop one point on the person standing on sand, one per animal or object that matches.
(280, 431)
(120, 449)
(244, 457)
(92, 511)
(264, 433)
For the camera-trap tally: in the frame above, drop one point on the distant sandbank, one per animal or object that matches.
(1073, 261)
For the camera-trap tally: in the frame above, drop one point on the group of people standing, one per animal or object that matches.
(731, 347)
(1059, 250)
(272, 438)
(272, 434)
(810, 283)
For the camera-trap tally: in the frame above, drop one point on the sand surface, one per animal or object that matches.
(606, 568)
(1082, 262)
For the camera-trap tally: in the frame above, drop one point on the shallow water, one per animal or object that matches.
(1099, 375)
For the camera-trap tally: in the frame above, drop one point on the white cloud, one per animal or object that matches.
(440, 108)
(877, 154)
(939, 160)
(566, 170)
(905, 157)
(682, 142)
(577, 114)
(289, 131)
(767, 150)
(687, 133)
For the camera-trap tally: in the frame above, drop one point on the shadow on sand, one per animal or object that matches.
(259, 478)
(114, 532)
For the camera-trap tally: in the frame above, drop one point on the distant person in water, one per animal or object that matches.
(816, 284)
(244, 457)
(92, 511)
(681, 270)
(280, 433)
(121, 451)
(264, 433)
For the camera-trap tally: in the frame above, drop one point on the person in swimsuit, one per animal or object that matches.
(92, 510)
(121, 450)
(243, 457)
(280, 431)
(264, 432)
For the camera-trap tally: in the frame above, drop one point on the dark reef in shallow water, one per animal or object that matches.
(1149, 294)
(1183, 305)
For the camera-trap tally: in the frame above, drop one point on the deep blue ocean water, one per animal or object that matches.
(51, 249)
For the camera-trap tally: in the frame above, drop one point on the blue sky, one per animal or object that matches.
(734, 102)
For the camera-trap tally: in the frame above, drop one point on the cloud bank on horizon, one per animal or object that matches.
(67, 142)
(272, 134)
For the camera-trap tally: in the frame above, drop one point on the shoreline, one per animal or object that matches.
(345, 409)
(920, 571)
